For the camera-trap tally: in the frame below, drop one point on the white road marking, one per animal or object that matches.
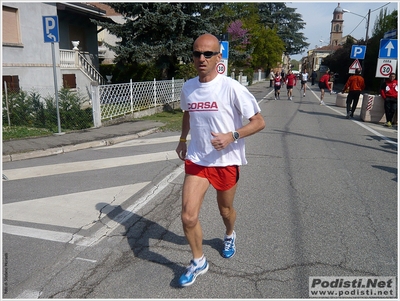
(361, 124)
(41, 234)
(150, 141)
(127, 213)
(86, 259)
(75, 210)
(29, 294)
(57, 169)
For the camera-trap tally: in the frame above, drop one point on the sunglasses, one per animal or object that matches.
(207, 54)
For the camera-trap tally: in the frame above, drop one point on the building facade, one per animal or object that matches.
(27, 59)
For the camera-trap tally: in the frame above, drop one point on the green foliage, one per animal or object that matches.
(288, 24)
(123, 73)
(30, 110)
(18, 132)
(186, 71)
(71, 115)
(159, 35)
(161, 32)
(268, 48)
(265, 47)
(171, 118)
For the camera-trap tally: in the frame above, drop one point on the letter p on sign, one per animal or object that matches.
(358, 52)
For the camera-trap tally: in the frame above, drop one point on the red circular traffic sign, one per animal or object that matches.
(220, 68)
(386, 69)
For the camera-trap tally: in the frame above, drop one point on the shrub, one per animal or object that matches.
(32, 110)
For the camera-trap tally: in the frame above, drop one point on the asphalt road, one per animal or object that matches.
(317, 198)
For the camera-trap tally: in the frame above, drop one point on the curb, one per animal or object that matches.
(75, 147)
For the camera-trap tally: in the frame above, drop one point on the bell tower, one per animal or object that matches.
(337, 26)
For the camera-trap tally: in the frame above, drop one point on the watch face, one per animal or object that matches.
(236, 135)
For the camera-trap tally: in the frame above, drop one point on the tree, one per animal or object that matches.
(268, 48)
(239, 41)
(259, 46)
(161, 32)
(384, 22)
(287, 23)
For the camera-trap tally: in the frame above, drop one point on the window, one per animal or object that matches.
(337, 28)
(12, 82)
(69, 81)
(11, 32)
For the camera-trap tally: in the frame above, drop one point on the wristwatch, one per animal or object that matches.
(235, 135)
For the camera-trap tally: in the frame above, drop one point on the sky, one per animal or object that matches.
(318, 16)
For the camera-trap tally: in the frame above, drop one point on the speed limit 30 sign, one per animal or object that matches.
(385, 67)
(222, 67)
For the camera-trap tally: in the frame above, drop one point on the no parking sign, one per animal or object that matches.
(385, 67)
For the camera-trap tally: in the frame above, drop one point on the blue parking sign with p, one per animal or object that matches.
(50, 29)
(358, 52)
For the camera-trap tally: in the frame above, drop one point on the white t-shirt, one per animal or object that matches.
(304, 77)
(216, 106)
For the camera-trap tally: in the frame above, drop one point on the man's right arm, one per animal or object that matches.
(181, 149)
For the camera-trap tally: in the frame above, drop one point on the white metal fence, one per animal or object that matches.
(121, 99)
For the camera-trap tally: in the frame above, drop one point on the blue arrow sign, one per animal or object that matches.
(225, 49)
(388, 49)
(50, 29)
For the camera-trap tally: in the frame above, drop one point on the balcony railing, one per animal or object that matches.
(76, 59)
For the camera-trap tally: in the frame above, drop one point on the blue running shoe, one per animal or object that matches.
(229, 246)
(192, 272)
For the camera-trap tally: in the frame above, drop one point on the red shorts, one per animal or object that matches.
(221, 178)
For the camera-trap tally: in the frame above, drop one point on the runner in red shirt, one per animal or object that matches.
(324, 84)
(389, 93)
(290, 83)
(277, 85)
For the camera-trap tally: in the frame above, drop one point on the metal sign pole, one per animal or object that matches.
(56, 87)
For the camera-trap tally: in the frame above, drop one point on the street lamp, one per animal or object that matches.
(366, 32)
(330, 44)
(367, 19)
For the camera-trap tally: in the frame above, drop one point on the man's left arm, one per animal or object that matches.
(222, 140)
(256, 124)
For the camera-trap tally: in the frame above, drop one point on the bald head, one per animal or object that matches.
(207, 40)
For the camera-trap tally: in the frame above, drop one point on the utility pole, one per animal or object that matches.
(366, 41)
(366, 33)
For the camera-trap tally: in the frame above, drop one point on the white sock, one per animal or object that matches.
(229, 236)
(199, 261)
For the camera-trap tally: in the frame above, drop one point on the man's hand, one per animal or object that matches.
(181, 150)
(221, 140)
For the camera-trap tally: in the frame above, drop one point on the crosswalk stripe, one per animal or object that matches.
(56, 169)
(75, 210)
(149, 141)
(82, 210)
(41, 234)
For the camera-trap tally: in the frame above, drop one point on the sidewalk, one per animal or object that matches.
(95, 137)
